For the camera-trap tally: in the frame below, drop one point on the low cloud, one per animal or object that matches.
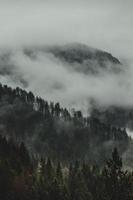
(54, 80)
(102, 24)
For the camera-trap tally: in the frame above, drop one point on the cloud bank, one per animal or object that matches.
(102, 24)
(54, 80)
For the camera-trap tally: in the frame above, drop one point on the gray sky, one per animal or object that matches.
(102, 24)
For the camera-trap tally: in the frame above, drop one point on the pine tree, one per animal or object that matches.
(59, 174)
(118, 185)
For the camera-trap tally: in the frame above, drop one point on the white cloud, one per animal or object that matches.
(103, 24)
(56, 81)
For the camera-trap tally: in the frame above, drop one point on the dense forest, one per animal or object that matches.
(50, 130)
(23, 177)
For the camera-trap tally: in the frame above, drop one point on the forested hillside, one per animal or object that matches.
(48, 129)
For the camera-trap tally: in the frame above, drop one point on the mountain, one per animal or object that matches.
(79, 52)
(80, 57)
(77, 57)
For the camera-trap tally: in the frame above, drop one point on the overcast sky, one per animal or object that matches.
(107, 25)
(102, 24)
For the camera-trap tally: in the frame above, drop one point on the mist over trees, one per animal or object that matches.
(54, 71)
(66, 100)
(50, 152)
(48, 129)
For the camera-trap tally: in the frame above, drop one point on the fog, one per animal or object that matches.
(129, 132)
(54, 80)
(106, 25)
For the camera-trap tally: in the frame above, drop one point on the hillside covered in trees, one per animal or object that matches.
(50, 130)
